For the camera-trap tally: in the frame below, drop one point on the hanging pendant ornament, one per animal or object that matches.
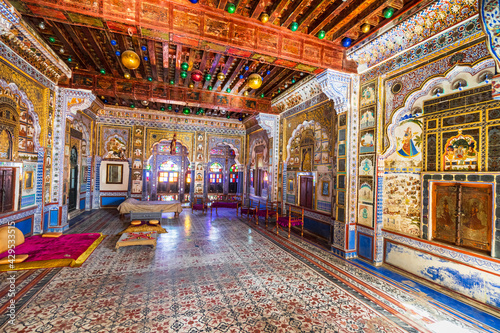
(254, 81)
(196, 76)
(221, 76)
(184, 74)
(185, 66)
(130, 59)
(231, 8)
(191, 85)
(245, 93)
(365, 28)
(208, 77)
(294, 26)
(127, 76)
(264, 18)
(321, 34)
(388, 12)
(346, 42)
(194, 1)
(186, 110)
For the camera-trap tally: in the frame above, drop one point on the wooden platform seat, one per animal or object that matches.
(5, 231)
(294, 217)
(52, 234)
(226, 201)
(271, 210)
(249, 208)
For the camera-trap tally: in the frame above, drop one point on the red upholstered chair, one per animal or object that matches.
(294, 218)
(198, 203)
(271, 210)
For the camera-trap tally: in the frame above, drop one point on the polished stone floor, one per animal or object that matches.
(220, 274)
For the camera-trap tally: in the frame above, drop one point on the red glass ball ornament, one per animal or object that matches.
(196, 76)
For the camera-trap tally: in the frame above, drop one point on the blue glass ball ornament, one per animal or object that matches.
(194, 1)
(146, 58)
(118, 53)
(241, 76)
(268, 72)
(144, 48)
(346, 42)
(113, 42)
(247, 68)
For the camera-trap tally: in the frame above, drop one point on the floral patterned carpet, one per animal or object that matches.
(217, 274)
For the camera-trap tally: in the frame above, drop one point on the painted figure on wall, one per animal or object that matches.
(368, 95)
(116, 148)
(408, 148)
(460, 154)
(367, 144)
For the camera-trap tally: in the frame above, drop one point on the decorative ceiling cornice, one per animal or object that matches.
(27, 44)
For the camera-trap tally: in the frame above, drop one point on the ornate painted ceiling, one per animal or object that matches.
(224, 42)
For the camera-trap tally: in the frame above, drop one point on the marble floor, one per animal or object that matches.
(220, 274)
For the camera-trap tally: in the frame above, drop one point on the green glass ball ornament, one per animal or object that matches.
(228, 90)
(172, 82)
(208, 77)
(279, 91)
(231, 8)
(70, 59)
(52, 39)
(186, 110)
(184, 74)
(388, 12)
(210, 88)
(262, 95)
(293, 80)
(321, 34)
(200, 110)
(169, 106)
(228, 116)
(294, 26)
(150, 78)
(132, 106)
(185, 66)
(102, 71)
(162, 108)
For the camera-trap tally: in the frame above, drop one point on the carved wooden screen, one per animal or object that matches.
(462, 214)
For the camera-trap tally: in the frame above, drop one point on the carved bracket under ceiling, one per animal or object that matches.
(336, 86)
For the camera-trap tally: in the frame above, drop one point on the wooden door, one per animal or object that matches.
(6, 190)
(306, 192)
(73, 180)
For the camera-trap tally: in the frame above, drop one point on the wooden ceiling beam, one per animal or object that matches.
(68, 44)
(270, 78)
(348, 17)
(240, 6)
(276, 9)
(282, 82)
(274, 81)
(81, 47)
(222, 4)
(152, 59)
(99, 51)
(191, 60)
(215, 63)
(234, 74)
(178, 61)
(339, 6)
(115, 48)
(166, 59)
(246, 74)
(137, 47)
(259, 8)
(228, 64)
(315, 8)
(203, 64)
(291, 14)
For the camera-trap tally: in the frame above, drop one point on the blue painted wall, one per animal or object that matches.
(54, 218)
(46, 221)
(365, 246)
(82, 204)
(318, 228)
(26, 225)
(112, 201)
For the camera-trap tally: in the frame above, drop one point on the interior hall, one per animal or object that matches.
(250, 166)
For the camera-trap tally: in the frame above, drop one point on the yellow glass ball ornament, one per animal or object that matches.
(365, 28)
(245, 93)
(130, 59)
(254, 81)
(221, 76)
(127, 75)
(264, 18)
(191, 85)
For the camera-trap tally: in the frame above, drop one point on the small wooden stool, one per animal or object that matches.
(136, 222)
(154, 222)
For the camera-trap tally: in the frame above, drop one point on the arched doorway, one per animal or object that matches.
(215, 179)
(73, 180)
(167, 186)
(233, 179)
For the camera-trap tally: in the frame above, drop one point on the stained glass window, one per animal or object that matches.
(168, 177)
(169, 166)
(233, 178)
(234, 168)
(188, 178)
(215, 178)
(216, 167)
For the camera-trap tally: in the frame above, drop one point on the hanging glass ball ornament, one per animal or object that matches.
(113, 42)
(365, 28)
(130, 59)
(170, 107)
(264, 18)
(194, 1)
(346, 42)
(210, 88)
(102, 71)
(228, 90)
(241, 76)
(231, 8)
(191, 85)
(208, 77)
(185, 66)
(262, 95)
(247, 68)
(70, 59)
(268, 72)
(254, 81)
(150, 78)
(127, 76)
(184, 74)
(172, 82)
(388, 12)
(245, 93)
(186, 110)
(52, 39)
(221, 76)
(294, 26)
(200, 110)
(321, 34)
(162, 108)
(196, 76)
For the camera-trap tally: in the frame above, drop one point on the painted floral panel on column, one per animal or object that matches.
(365, 214)
(401, 210)
(365, 193)
(368, 94)
(367, 118)
(366, 165)
(367, 143)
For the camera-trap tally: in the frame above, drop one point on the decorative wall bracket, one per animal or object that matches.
(336, 86)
